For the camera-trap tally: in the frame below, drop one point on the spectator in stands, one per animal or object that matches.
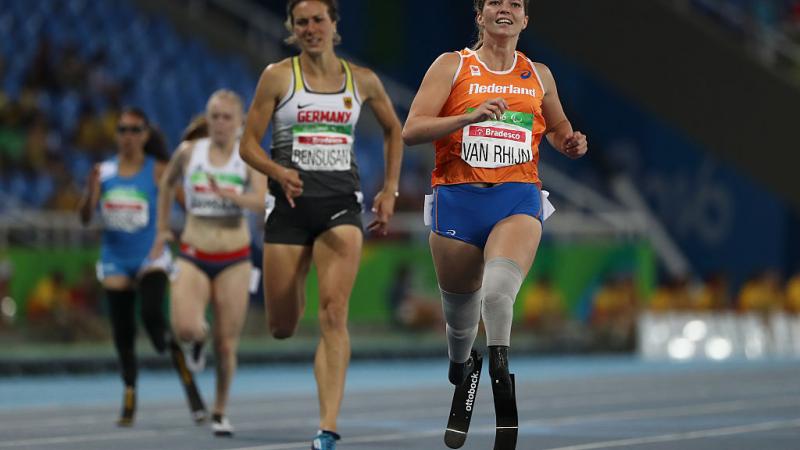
(413, 185)
(41, 75)
(4, 175)
(95, 133)
(614, 311)
(12, 136)
(713, 294)
(84, 313)
(58, 310)
(672, 295)
(8, 306)
(66, 194)
(544, 307)
(3, 96)
(411, 309)
(762, 293)
(85, 294)
(6, 271)
(71, 71)
(39, 143)
(6, 202)
(100, 80)
(48, 300)
(398, 289)
(792, 304)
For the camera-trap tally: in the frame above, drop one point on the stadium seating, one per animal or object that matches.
(164, 73)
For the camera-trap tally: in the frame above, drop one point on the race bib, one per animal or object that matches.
(125, 209)
(498, 143)
(203, 201)
(322, 147)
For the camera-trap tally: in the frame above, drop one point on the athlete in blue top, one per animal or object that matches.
(125, 190)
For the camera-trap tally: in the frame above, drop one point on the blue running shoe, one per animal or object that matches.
(325, 440)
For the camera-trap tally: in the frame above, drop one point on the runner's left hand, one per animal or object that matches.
(212, 182)
(161, 240)
(575, 145)
(383, 207)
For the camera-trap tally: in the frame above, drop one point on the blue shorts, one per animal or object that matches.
(469, 213)
(113, 265)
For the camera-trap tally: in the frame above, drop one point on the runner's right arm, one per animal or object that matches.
(274, 82)
(167, 185)
(424, 124)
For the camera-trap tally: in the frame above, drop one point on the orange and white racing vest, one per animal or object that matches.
(492, 151)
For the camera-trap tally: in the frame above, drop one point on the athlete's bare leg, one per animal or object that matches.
(337, 253)
(516, 238)
(230, 300)
(285, 270)
(189, 296)
(117, 283)
(459, 266)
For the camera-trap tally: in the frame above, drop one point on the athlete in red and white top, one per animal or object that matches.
(214, 262)
(486, 109)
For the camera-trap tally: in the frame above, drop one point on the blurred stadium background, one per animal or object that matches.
(677, 237)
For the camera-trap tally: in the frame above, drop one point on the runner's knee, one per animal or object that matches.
(333, 314)
(188, 332)
(225, 348)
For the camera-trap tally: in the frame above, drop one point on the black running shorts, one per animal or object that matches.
(310, 217)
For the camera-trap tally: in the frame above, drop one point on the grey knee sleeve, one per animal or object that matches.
(502, 279)
(462, 312)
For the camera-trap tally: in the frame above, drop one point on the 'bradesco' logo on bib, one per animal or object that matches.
(498, 143)
(321, 147)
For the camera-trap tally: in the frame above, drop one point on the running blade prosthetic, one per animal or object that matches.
(463, 402)
(193, 397)
(505, 409)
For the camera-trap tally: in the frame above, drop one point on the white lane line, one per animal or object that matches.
(265, 407)
(83, 438)
(154, 411)
(632, 414)
(673, 411)
(699, 434)
(699, 409)
(282, 423)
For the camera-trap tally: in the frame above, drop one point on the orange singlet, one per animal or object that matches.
(492, 151)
